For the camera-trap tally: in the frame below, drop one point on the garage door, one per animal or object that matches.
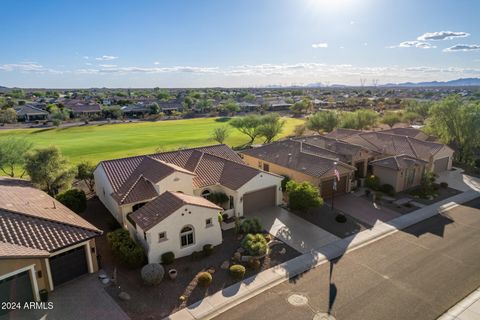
(440, 165)
(260, 199)
(17, 288)
(68, 265)
(326, 189)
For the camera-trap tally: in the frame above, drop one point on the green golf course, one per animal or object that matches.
(109, 141)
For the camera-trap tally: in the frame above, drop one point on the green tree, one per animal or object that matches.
(410, 117)
(232, 107)
(74, 199)
(391, 119)
(85, 173)
(154, 108)
(49, 170)
(322, 121)
(12, 154)
(301, 107)
(360, 119)
(163, 95)
(9, 115)
(247, 125)
(421, 108)
(220, 134)
(303, 196)
(456, 121)
(271, 126)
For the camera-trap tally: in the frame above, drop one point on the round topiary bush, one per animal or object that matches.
(341, 218)
(204, 279)
(237, 271)
(168, 257)
(255, 244)
(152, 274)
(251, 226)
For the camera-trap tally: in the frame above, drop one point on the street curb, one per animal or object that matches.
(465, 304)
(219, 302)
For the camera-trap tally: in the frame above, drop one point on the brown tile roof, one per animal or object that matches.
(209, 165)
(398, 162)
(20, 196)
(341, 133)
(337, 146)
(36, 233)
(164, 205)
(141, 190)
(410, 132)
(9, 251)
(293, 154)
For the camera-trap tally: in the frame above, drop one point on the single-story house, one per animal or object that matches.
(126, 185)
(176, 222)
(85, 110)
(301, 161)
(28, 113)
(43, 244)
(402, 172)
(136, 110)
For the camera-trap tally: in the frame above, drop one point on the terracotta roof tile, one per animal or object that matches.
(398, 162)
(10, 250)
(164, 205)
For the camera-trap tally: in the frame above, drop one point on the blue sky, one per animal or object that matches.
(236, 43)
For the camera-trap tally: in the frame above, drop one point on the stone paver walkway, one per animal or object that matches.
(298, 233)
(364, 210)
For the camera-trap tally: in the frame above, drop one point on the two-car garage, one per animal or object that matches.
(260, 199)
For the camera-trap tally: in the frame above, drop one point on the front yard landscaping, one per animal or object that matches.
(192, 277)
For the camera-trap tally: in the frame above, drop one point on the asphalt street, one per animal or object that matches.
(417, 273)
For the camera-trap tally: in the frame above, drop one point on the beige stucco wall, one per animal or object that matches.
(187, 215)
(445, 152)
(11, 265)
(398, 178)
(103, 190)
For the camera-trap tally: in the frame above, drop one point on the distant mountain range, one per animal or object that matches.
(452, 83)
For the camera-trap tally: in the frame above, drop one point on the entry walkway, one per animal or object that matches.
(298, 233)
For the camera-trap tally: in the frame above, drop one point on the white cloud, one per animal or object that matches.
(320, 45)
(156, 63)
(414, 44)
(88, 64)
(352, 22)
(106, 58)
(462, 47)
(442, 35)
(107, 65)
(365, 44)
(86, 57)
(27, 67)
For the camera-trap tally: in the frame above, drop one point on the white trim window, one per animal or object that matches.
(162, 236)
(187, 236)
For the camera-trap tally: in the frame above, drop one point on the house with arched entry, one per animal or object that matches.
(157, 196)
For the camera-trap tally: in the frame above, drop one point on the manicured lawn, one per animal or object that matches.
(102, 142)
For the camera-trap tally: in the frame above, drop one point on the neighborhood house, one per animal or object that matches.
(166, 200)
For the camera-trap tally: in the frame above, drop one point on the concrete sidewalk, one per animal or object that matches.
(221, 301)
(467, 309)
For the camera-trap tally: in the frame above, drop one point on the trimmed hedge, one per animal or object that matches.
(74, 199)
(204, 279)
(168, 257)
(125, 249)
(237, 271)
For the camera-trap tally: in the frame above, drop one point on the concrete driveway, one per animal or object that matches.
(83, 298)
(457, 180)
(298, 233)
(364, 210)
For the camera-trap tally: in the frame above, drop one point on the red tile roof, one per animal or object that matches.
(164, 205)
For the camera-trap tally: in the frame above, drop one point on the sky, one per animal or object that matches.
(247, 43)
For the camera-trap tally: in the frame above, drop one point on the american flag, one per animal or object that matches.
(337, 174)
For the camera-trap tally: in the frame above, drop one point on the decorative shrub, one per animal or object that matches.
(218, 198)
(303, 196)
(388, 189)
(168, 257)
(237, 271)
(74, 199)
(204, 279)
(443, 185)
(152, 274)
(207, 249)
(251, 226)
(125, 249)
(255, 244)
(220, 218)
(285, 180)
(254, 264)
(372, 182)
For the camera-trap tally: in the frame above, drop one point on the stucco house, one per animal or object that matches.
(138, 184)
(402, 172)
(301, 160)
(42, 243)
(175, 222)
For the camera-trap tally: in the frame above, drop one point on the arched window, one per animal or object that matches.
(206, 193)
(187, 236)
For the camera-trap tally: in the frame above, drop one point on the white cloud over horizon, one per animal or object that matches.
(462, 47)
(106, 58)
(442, 35)
(320, 45)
